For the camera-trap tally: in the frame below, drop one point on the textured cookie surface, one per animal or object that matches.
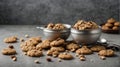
(8, 51)
(107, 52)
(65, 56)
(97, 48)
(11, 39)
(59, 49)
(72, 46)
(26, 46)
(57, 42)
(34, 53)
(52, 53)
(38, 39)
(44, 45)
(84, 50)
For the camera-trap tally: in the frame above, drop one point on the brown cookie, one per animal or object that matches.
(57, 42)
(59, 49)
(115, 28)
(84, 50)
(107, 52)
(111, 20)
(108, 25)
(72, 46)
(34, 53)
(117, 24)
(11, 39)
(44, 45)
(105, 27)
(97, 48)
(8, 51)
(36, 39)
(52, 53)
(27, 46)
(65, 56)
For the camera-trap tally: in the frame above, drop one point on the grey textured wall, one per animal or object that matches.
(64, 11)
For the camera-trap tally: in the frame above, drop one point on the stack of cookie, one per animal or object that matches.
(61, 48)
(29, 47)
(111, 26)
(33, 47)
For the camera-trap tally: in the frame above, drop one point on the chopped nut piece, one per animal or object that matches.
(14, 58)
(25, 53)
(76, 55)
(102, 57)
(82, 57)
(59, 60)
(73, 50)
(27, 36)
(49, 59)
(21, 39)
(37, 61)
(11, 46)
(92, 60)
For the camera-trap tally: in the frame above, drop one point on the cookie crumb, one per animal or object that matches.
(11, 46)
(37, 61)
(27, 36)
(25, 53)
(91, 60)
(21, 39)
(14, 58)
(82, 57)
(59, 60)
(102, 57)
(49, 59)
(76, 55)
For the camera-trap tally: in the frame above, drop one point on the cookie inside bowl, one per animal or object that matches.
(85, 32)
(58, 26)
(53, 31)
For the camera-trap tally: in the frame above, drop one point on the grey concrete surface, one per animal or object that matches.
(64, 11)
(25, 61)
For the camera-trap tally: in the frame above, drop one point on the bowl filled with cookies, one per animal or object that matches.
(58, 30)
(111, 26)
(85, 32)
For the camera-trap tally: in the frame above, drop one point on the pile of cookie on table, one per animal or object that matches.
(58, 48)
(111, 26)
